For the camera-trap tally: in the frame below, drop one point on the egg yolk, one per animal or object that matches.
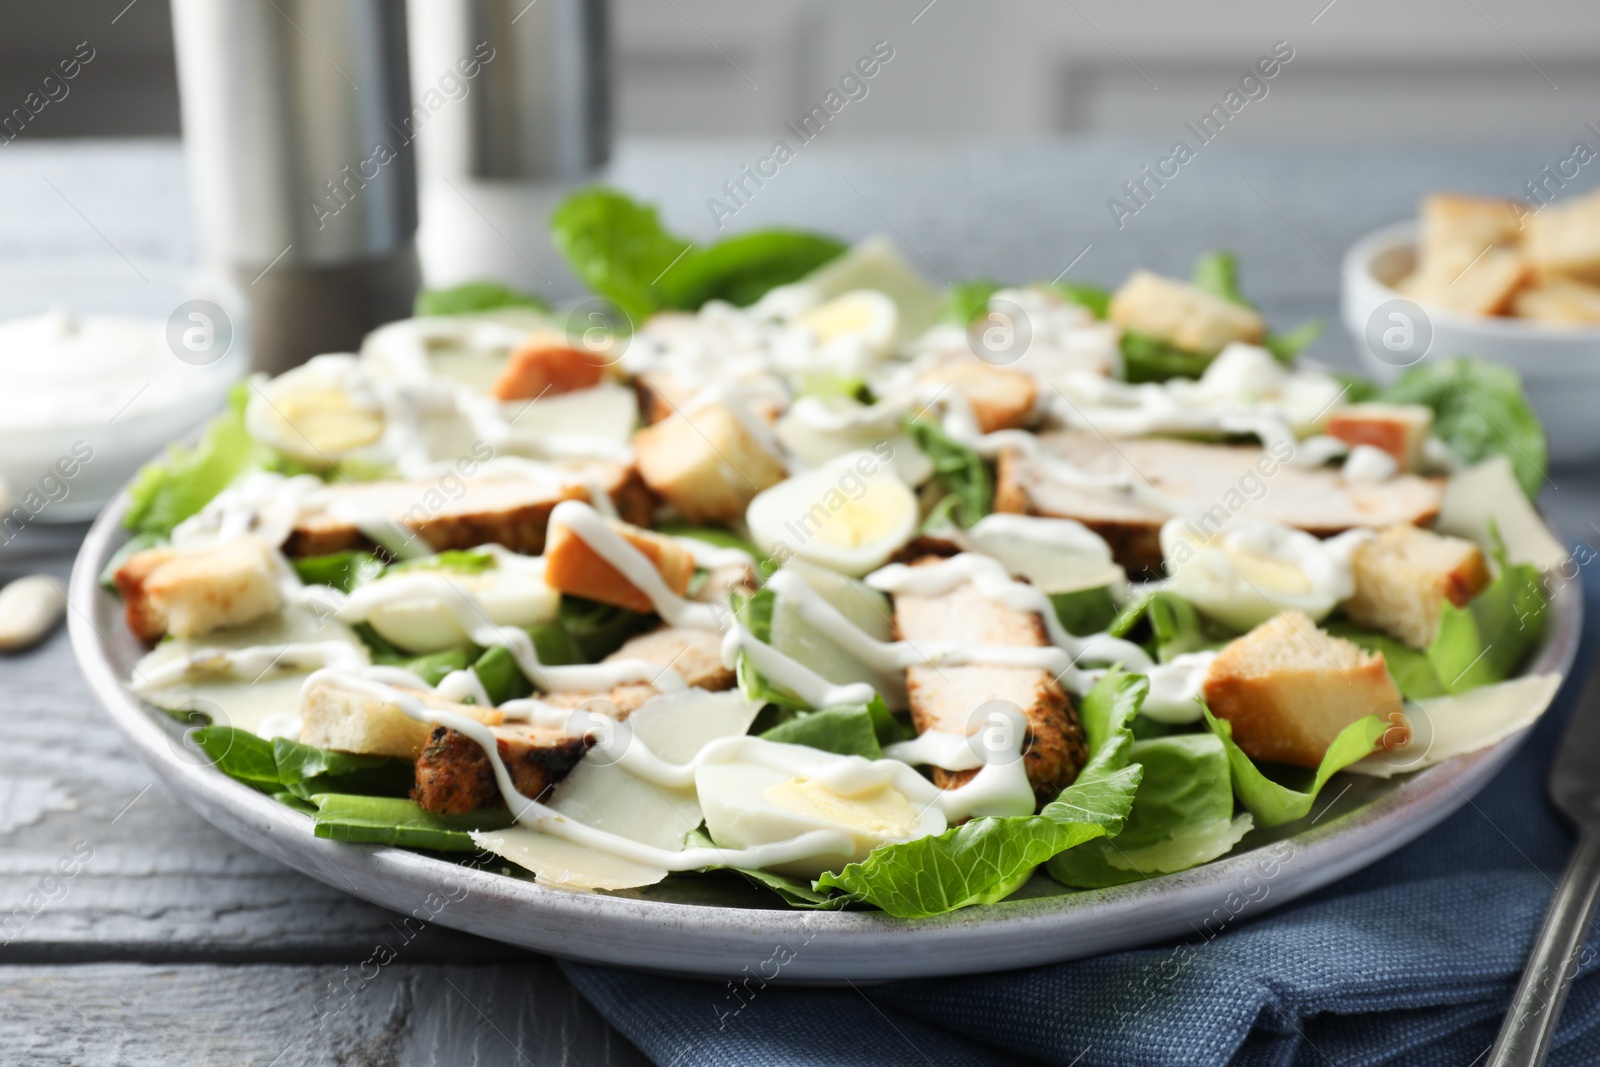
(855, 523)
(882, 811)
(326, 419)
(1268, 573)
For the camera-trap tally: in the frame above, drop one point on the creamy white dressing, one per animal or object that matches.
(1368, 464)
(248, 664)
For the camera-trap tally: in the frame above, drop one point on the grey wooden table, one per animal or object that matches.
(171, 942)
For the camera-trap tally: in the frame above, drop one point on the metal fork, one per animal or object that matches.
(1530, 1026)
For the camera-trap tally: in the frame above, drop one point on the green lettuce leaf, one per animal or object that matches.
(168, 490)
(1273, 804)
(795, 893)
(1479, 410)
(619, 249)
(844, 731)
(755, 612)
(1182, 816)
(1483, 641)
(397, 821)
(433, 667)
(1096, 298)
(1146, 359)
(986, 860)
(455, 560)
(1218, 273)
(1171, 622)
(597, 629)
(341, 570)
(305, 770)
(237, 753)
(965, 301)
(1286, 346)
(472, 297)
(1411, 670)
(1087, 611)
(743, 268)
(957, 470)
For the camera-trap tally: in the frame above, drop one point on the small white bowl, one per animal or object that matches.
(44, 443)
(1560, 365)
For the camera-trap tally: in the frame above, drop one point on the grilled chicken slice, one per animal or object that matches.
(509, 512)
(1211, 482)
(947, 698)
(454, 775)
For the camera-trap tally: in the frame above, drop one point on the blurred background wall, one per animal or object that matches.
(1369, 69)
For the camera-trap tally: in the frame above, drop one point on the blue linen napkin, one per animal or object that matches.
(1412, 960)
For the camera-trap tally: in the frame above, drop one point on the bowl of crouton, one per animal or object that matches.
(1506, 281)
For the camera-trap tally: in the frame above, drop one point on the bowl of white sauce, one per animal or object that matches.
(103, 362)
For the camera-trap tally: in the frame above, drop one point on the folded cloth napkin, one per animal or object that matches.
(1410, 961)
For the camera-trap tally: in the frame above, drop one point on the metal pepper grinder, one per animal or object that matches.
(297, 127)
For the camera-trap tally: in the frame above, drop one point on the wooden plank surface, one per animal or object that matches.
(171, 942)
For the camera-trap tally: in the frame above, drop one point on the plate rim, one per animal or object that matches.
(710, 941)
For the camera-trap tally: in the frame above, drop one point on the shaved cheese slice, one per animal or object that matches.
(1452, 726)
(601, 794)
(1490, 491)
(239, 703)
(561, 864)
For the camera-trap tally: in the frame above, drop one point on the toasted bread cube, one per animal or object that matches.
(1287, 688)
(1398, 429)
(547, 364)
(573, 567)
(147, 622)
(189, 592)
(1404, 576)
(1481, 286)
(349, 719)
(706, 462)
(1559, 300)
(1564, 239)
(1001, 398)
(1456, 228)
(1183, 315)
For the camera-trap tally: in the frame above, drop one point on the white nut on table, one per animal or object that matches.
(29, 609)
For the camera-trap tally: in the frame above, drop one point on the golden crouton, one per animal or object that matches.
(1559, 300)
(946, 698)
(1001, 398)
(1456, 228)
(1404, 576)
(1183, 315)
(1398, 429)
(1287, 688)
(706, 462)
(189, 592)
(349, 719)
(572, 567)
(1564, 238)
(547, 364)
(1482, 286)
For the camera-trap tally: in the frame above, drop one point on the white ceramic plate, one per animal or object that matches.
(714, 927)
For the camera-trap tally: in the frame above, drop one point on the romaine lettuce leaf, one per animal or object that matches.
(168, 490)
(341, 570)
(1479, 410)
(965, 301)
(844, 731)
(1174, 626)
(795, 893)
(1182, 816)
(1411, 670)
(1273, 804)
(280, 764)
(1087, 611)
(397, 821)
(1147, 359)
(743, 268)
(755, 612)
(1218, 273)
(597, 629)
(959, 471)
(988, 859)
(619, 249)
(1096, 298)
(1484, 641)
(472, 297)
(455, 560)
